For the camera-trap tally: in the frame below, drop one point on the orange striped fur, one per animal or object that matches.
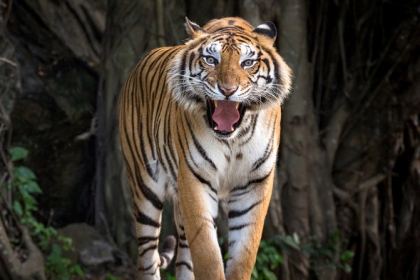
(200, 123)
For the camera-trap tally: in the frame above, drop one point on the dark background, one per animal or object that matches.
(349, 160)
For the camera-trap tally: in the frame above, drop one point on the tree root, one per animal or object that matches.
(14, 266)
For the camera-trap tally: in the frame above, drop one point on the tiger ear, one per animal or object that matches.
(266, 32)
(193, 29)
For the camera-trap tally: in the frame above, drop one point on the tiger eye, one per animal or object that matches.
(248, 63)
(210, 60)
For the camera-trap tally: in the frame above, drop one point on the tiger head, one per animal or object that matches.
(228, 68)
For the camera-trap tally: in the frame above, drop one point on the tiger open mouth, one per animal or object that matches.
(224, 116)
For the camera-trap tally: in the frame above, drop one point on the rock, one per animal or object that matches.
(88, 244)
(98, 253)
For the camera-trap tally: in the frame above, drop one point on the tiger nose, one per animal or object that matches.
(227, 91)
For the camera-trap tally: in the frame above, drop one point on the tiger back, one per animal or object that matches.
(199, 123)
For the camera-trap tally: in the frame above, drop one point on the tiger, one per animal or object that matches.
(200, 123)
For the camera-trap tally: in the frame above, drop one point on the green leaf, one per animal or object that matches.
(288, 240)
(55, 253)
(18, 208)
(335, 235)
(67, 243)
(347, 255)
(77, 269)
(264, 258)
(269, 275)
(23, 173)
(279, 259)
(29, 201)
(226, 256)
(110, 277)
(33, 187)
(18, 153)
(254, 274)
(347, 268)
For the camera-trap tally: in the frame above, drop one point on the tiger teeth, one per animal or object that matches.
(236, 106)
(216, 128)
(215, 103)
(232, 129)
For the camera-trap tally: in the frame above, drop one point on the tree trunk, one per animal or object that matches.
(127, 21)
(304, 182)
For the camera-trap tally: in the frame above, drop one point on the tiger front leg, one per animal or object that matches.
(247, 210)
(198, 204)
(183, 263)
(148, 205)
(147, 225)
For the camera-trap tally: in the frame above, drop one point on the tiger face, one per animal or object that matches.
(231, 69)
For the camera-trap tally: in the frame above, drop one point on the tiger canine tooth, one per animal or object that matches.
(215, 103)
(237, 105)
(232, 129)
(216, 128)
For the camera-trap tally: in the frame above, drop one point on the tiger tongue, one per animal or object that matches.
(225, 115)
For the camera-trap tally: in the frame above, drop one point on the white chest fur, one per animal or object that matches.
(240, 159)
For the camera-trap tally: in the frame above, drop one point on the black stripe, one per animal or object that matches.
(170, 164)
(171, 146)
(146, 268)
(183, 245)
(267, 78)
(268, 150)
(267, 63)
(198, 146)
(276, 67)
(201, 179)
(148, 193)
(186, 142)
(158, 65)
(170, 156)
(143, 151)
(146, 220)
(239, 194)
(184, 263)
(133, 150)
(192, 56)
(182, 67)
(153, 247)
(223, 141)
(238, 227)
(156, 269)
(160, 83)
(250, 128)
(234, 28)
(255, 181)
(166, 257)
(146, 239)
(238, 213)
